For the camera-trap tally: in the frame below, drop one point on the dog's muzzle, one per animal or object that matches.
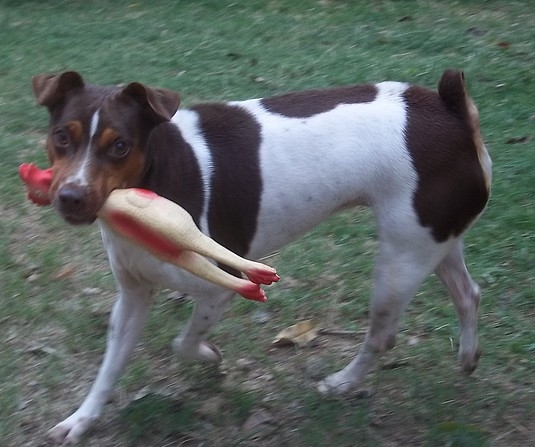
(73, 203)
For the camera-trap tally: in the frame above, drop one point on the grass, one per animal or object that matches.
(54, 323)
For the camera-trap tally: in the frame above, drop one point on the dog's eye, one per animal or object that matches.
(61, 139)
(119, 149)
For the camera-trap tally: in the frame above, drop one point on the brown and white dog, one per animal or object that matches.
(256, 175)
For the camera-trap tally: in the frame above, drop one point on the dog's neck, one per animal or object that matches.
(172, 170)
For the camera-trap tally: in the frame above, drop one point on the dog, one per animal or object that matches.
(257, 174)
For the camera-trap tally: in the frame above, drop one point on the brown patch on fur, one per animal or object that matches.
(50, 89)
(49, 148)
(107, 137)
(124, 175)
(75, 130)
(172, 170)
(452, 185)
(233, 137)
(312, 102)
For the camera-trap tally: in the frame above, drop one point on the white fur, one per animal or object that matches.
(80, 177)
(336, 159)
(188, 123)
(94, 125)
(352, 154)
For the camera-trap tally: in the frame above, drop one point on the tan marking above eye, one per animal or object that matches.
(75, 130)
(107, 137)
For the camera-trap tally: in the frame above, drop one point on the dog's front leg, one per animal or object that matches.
(126, 324)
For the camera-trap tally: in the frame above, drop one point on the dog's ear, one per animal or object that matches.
(50, 89)
(161, 104)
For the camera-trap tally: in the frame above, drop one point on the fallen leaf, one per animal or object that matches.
(234, 56)
(476, 31)
(64, 272)
(517, 140)
(396, 364)
(145, 391)
(299, 334)
(39, 349)
(33, 277)
(91, 291)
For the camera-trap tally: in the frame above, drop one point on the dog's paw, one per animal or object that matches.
(204, 351)
(70, 431)
(469, 360)
(336, 384)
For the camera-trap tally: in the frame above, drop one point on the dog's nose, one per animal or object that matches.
(72, 198)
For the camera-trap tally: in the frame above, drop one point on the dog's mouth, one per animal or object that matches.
(82, 215)
(78, 220)
(77, 206)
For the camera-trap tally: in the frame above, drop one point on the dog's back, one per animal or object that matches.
(267, 170)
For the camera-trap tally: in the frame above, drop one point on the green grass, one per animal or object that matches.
(210, 50)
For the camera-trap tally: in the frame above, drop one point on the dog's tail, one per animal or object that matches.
(452, 91)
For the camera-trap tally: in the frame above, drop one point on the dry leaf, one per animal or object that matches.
(65, 272)
(299, 334)
(517, 140)
(503, 45)
(476, 31)
(39, 349)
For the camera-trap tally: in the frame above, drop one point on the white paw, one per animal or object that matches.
(204, 351)
(469, 359)
(70, 430)
(335, 384)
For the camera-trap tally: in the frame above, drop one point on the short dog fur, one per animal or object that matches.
(256, 175)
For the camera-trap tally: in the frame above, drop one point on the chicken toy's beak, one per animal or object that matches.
(37, 182)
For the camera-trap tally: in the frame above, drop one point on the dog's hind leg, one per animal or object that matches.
(466, 295)
(191, 342)
(402, 265)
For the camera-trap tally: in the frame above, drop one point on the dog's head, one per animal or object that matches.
(96, 138)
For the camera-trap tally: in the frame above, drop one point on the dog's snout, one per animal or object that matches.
(76, 204)
(72, 198)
